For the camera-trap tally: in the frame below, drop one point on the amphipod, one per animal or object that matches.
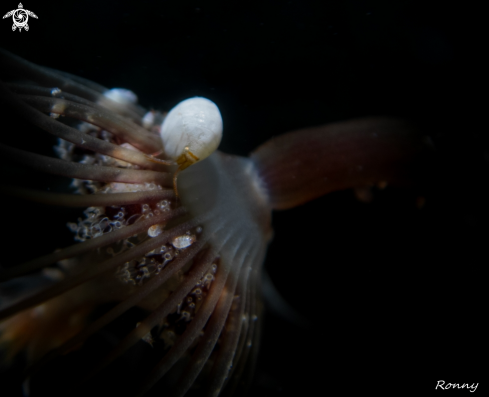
(190, 132)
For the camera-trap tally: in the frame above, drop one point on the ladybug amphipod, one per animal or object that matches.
(191, 131)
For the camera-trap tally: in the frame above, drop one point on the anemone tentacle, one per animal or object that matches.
(52, 78)
(83, 171)
(157, 315)
(234, 328)
(244, 359)
(77, 137)
(191, 333)
(88, 245)
(206, 345)
(92, 272)
(97, 116)
(89, 200)
(130, 302)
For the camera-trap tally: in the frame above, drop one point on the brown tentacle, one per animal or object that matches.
(83, 171)
(193, 276)
(88, 200)
(302, 165)
(52, 78)
(130, 302)
(100, 268)
(86, 246)
(97, 115)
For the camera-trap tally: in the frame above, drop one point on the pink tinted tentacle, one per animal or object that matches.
(98, 116)
(302, 165)
(42, 76)
(75, 136)
(131, 110)
(83, 171)
(80, 80)
(27, 89)
(52, 78)
(88, 200)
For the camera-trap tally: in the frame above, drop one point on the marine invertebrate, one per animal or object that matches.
(192, 266)
(192, 131)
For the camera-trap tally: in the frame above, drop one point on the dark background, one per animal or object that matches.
(394, 293)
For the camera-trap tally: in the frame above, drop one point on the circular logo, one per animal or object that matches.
(20, 18)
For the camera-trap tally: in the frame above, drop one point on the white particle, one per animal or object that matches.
(154, 231)
(183, 241)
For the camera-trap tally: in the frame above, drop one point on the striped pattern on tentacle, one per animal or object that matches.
(147, 142)
(238, 341)
(234, 329)
(88, 245)
(46, 77)
(196, 273)
(83, 171)
(98, 116)
(132, 301)
(90, 272)
(198, 257)
(249, 340)
(223, 291)
(94, 200)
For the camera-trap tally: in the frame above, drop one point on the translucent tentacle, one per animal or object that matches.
(194, 275)
(72, 135)
(246, 327)
(88, 245)
(88, 200)
(130, 109)
(130, 302)
(52, 78)
(164, 309)
(191, 333)
(206, 345)
(302, 165)
(85, 82)
(83, 171)
(217, 320)
(96, 115)
(227, 349)
(100, 268)
(29, 89)
(245, 356)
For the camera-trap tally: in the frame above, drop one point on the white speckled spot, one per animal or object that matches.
(183, 241)
(154, 230)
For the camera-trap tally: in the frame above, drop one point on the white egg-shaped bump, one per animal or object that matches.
(122, 96)
(191, 131)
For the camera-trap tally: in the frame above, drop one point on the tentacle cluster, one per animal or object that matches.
(185, 263)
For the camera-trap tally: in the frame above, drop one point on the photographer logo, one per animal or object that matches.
(20, 16)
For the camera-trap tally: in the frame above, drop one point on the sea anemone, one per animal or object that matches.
(174, 267)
